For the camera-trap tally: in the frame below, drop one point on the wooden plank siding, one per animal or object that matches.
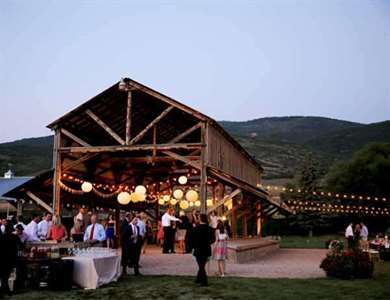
(223, 155)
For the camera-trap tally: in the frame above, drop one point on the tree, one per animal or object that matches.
(309, 174)
(367, 173)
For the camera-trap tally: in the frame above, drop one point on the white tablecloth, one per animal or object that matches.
(92, 272)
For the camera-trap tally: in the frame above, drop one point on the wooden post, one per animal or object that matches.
(258, 219)
(203, 173)
(245, 217)
(234, 218)
(56, 208)
(19, 207)
(128, 118)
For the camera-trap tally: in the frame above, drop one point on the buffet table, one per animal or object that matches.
(91, 270)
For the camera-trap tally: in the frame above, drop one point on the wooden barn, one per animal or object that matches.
(131, 135)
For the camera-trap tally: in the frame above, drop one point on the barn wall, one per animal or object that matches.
(223, 155)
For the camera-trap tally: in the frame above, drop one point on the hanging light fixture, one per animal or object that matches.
(161, 201)
(178, 194)
(197, 203)
(86, 187)
(183, 179)
(166, 198)
(209, 202)
(124, 198)
(173, 201)
(191, 196)
(140, 189)
(191, 204)
(137, 197)
(183, 204)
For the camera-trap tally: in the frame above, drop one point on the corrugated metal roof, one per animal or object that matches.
(8, 184)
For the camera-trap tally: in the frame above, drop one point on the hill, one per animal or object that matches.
(280, 144)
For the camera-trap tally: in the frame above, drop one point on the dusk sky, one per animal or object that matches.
(232, 60)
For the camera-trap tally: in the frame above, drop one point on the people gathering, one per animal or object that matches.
(205, 236)
(356, 235)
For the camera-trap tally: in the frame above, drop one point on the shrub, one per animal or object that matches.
(348, 264)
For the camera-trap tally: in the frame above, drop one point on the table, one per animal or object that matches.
(90, 272)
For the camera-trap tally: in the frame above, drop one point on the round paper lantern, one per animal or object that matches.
(86, 187)
(178, 194)
(140, 189)
(161, 201)
(192, 196)
(183, 204)
(124, 198)
(209, 202)
(137, 197)
(166, 198)
(197, 203)
(182, 179)
(191, 204)
(173, 201)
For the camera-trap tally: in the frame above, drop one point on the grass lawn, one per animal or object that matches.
(174, 287)
(314, 242)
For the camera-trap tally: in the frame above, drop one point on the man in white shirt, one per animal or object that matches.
(32, 229)
(169, 236)
(44, 225)
(364, 236)
(95, 232)
(349, 235)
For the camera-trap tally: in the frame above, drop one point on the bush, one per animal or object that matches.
(348, 264)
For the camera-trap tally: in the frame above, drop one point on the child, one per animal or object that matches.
(220, 248)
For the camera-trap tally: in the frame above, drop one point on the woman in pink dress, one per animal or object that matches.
(160, 233)
(220, 248)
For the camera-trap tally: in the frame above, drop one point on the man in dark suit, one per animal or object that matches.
(135, 245)
(203, 237)
(125, 234)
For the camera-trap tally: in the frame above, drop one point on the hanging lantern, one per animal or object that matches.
(124, 198)
(137, 197)
(192, 196)
(183, 204)
(197, 203)
(191, 204)
(209, 202)
(161, 201)
(86, 187)
(178, 194)
(173, 201)
(140, 189)
(183, 179)
(166, 198)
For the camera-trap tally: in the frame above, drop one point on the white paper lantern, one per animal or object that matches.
(197, 203)
(182, 179)
(161, 201)
(209, 202)
(178, 194)
(191, 204)
(173, 201)
(166, 198)
(183, 204)
(140, 189)
(124, 198)
(86, 187)
(192, 196)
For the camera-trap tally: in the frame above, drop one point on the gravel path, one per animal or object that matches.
(284, 263)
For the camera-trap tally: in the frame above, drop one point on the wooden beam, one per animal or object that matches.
(79, 161)
(151, 124)
(39, 201)
(105, 127)
(224, 199)
(57, 173)
(183, 159)
(203, 171)
(144, 147)
(185, 133)
(75, 138)
(128, 117)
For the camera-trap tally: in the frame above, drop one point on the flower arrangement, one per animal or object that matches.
(348, 264)
(336, 246)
